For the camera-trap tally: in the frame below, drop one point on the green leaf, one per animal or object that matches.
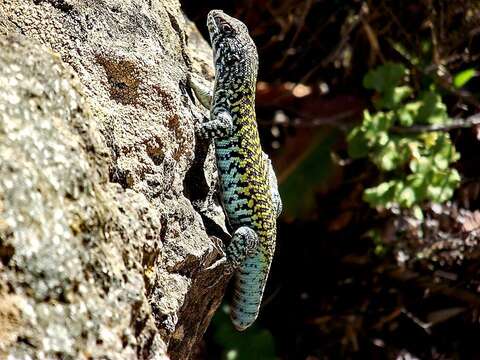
(387, 158)
(382, 138)
(433, 110)
(441, 162)
(381, 195)
(380, 121)
(421, 165)
(418, 213)
(407, 114)
(406, 197)
(371, 134)
(442, 185)
(387, 161)
(443, 146)
(460, 79)
(439, 193)
(392, 97)
(418, 183)
(384, 77)
(430, 140)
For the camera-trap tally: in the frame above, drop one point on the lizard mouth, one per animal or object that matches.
(212, 21)
(214, 14)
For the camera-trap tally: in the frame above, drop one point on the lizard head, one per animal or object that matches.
(234, 51)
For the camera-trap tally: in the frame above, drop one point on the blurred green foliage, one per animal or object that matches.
(414, 166)
(311, 172)
(251, 344)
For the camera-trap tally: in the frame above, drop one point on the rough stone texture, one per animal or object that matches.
(105, 197)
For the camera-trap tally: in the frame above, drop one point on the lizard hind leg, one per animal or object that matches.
(244, 242)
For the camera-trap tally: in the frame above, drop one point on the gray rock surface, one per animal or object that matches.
(105, 196)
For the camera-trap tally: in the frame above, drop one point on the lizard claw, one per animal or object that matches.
(223, 262)
(216, 264)
(226, 271)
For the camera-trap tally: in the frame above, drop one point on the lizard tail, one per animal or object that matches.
(250, 283)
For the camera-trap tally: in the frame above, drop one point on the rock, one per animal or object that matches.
(105, 197)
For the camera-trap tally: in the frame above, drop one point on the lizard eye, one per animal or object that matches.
(227, 28)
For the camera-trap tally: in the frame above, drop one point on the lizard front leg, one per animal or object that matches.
(219, 125)
(203, 92)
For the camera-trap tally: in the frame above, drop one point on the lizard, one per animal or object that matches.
(248, 185)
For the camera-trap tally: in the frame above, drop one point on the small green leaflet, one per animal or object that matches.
(460, 79)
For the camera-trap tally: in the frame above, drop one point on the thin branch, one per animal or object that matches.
(333, 121)
(455, 124)
(340, 46)
(301, 121)
(424, 325)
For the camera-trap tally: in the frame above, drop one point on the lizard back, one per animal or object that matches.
(247, 201)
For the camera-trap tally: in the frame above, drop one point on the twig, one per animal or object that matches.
(301, 24)
(341, 45)
(455, 124)
(305, 122)
(327, 121)
(413, 279)
(301, 121)
(424, 325)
